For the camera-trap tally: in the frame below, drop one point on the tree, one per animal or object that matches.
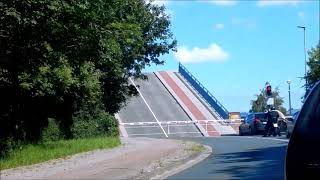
(62, 57)
(313, 74)
(259, 105)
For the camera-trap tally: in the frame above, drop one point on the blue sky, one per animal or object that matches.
(234, 47)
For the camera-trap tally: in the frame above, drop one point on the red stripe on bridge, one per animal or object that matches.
(189, 104)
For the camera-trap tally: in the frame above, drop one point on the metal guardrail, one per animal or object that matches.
(212, 101)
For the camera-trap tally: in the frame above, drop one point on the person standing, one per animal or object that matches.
(275, 118)
(269, 126)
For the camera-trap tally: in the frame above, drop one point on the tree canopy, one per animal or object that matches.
(63, 58)
(313, 74)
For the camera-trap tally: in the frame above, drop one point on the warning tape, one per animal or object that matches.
(227, 121)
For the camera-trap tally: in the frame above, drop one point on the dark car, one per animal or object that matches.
(253, 124)
(303, 152)
(290, 123)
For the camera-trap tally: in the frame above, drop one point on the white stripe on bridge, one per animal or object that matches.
(148, 107)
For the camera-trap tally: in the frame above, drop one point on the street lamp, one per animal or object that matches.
(289, 82)
(305, 54)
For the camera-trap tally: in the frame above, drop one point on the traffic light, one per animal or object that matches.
(268, 91)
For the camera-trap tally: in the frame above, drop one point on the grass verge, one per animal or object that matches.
(196, 148)
(36, 153)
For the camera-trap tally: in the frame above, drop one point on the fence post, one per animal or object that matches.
(206, 126)
(168, 128)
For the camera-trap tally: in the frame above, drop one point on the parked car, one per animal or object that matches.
(254, 123)
(303, 151)
(290, 123)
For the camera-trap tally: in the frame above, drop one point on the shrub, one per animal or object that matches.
(102, 124)
(108, 124)
(6, 144)
(52, 132)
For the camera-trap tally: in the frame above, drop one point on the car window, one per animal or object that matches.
(249, 117)
(295, 116)
(261, 116)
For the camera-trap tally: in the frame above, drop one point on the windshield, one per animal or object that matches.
(261, 116)
(153, 79)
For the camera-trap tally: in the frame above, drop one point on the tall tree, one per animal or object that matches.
(313, 74)
(60, 57)
(259, 105)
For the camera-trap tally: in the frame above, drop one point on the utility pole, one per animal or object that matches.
(289, 82)
(305, 55)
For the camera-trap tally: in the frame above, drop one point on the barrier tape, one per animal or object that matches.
(227, 121)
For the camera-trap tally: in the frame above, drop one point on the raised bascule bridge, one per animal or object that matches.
(174, 104)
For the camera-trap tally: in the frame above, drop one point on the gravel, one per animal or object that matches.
(136, 158)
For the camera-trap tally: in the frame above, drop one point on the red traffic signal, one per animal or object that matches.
(268, 90)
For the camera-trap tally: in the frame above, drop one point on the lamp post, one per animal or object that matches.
(289, 82)
(305, 54)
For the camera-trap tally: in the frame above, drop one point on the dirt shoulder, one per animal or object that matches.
(136, 158)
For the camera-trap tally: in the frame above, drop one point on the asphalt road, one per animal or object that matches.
(163, 106)
(235, 157)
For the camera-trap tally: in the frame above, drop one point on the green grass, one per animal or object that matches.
(36, 153)
(196, 148)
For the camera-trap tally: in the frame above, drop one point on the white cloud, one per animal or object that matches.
(222, 2)
(219, 26)
(301, 15)
(263, 3)
(213, 53)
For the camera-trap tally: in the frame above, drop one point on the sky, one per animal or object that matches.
(234, 47)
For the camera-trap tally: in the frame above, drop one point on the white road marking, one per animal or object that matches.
(195, 132)
(149, 107)
(253, 137)
(284, 140)
(132, 135)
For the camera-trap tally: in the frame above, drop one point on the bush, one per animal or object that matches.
(83, 128)
(102, 124)
(108, 125)
(6, 144)
(52, 132)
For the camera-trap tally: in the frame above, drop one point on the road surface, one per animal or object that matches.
(155, 104)
(235, 157)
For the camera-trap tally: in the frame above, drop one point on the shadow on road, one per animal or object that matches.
(265, 163)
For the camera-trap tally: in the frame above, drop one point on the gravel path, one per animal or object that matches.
(136, 158)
